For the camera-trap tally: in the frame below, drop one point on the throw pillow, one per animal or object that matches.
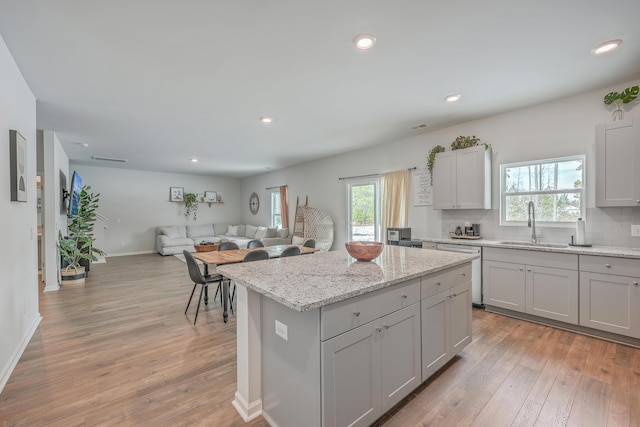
(170, 232)
(283, 233)
(261, 233)
(295, 240)
(250, 231)
(232, 230)
(271, 232)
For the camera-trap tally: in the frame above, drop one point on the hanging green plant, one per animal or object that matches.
(617, 99)
(191, 205)
(432, 157)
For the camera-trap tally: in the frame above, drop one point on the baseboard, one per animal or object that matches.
(131, 253)
(13, 361)
(247, 411)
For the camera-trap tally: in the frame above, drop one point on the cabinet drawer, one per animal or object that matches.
(346, 315)
(610, 265)
(443, 280)
(532, 257)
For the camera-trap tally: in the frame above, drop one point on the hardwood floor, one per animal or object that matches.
(119, 351)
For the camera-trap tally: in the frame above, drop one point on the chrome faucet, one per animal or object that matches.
(531, 223)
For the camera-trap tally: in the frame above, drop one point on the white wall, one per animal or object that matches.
(136, 202)
(19, 273)
(560, 128)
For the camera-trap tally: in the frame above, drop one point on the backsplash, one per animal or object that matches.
(604, 227)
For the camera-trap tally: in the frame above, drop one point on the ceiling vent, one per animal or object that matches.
(109, 159)
(418, 126)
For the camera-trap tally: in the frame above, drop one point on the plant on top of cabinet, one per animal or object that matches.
(432, 157)
(191, 205)
(464, 142)
(617, 99)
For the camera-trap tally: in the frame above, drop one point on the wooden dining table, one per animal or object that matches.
(237, 255)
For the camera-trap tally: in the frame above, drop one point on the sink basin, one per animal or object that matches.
(534, 245)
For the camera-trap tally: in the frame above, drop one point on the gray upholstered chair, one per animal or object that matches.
(198, 279)
(227, 246)
(290, 251)
(310, 243)
(255, 244)
(257, 255)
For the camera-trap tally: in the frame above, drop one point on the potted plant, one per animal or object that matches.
(191, 205)
(77, 250)
(617, 99)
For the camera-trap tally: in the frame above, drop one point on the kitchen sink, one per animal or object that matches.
(534, 245)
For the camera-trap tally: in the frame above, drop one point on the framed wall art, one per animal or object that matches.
(210, 196)
(18, 166)
(176, 194)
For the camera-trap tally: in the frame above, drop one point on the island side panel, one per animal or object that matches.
(291, 367)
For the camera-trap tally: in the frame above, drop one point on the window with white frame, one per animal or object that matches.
(555, 186)
(276, 218)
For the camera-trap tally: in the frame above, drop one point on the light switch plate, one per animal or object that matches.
(635, 230)
(281, 330)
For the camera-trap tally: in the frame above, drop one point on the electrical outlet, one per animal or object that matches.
(281, 330)
(635, 230)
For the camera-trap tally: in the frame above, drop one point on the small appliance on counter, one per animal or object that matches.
(396, 235)
(411, 243)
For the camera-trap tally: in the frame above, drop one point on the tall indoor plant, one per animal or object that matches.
(77, 249)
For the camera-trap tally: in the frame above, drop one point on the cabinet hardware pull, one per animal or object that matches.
(635, 283)
(521, 268)
(379, 329)
(404, 296)
(608, 265)
(437, 283)
(453, 295)
(464, 274)
(356, 313)
(386, 326)
(528, 269)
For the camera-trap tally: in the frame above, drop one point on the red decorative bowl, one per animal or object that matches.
(364, 251)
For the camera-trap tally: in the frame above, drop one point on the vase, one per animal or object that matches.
(618, 114)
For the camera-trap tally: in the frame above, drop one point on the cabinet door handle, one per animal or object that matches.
(356, 313)
(463, 274)
(635, 283)
(528, 269)
(404, 296)
(386, 326)
(608, 265)
(379, 329)
(437, 283)
(453, 295)
(521, 269)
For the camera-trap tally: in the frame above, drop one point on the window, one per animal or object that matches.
(556, 187)
(363, 211)
(276, 218)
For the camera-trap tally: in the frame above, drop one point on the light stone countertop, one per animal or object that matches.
(311, 281)
(633, 253)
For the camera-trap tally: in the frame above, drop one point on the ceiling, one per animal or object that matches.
(159, 82)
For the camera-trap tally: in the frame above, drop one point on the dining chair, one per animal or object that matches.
(257, 255)
(227, 246)
(290, 251)
(198, 279)
(310, 243)
(255, 244)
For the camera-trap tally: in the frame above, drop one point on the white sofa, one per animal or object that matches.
(174, 239)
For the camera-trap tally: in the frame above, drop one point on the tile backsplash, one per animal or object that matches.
(604, 227)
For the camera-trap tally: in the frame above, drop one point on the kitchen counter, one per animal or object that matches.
(633, 253)
(313, 281)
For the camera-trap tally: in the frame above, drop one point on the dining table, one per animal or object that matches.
(232, 256)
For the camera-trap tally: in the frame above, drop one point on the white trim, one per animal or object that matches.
(13, 361)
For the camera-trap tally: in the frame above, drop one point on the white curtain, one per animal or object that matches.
(394, 195)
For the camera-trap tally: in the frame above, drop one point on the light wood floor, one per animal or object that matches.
(119, 351)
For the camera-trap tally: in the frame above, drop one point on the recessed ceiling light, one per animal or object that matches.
(607, 46)
(453, 97)
(194, 159)
(266, 120)
(364, 41)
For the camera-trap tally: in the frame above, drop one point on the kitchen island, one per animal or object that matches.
(325, 340)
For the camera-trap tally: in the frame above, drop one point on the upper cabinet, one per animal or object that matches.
(617, 159)
(462, 179)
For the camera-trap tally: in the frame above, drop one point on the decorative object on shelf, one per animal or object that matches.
(210, 197)
(364, 251)
(254, 203)
(191, 205)
(618, 99)
(432, 157)
(18, 166)
(176, 194)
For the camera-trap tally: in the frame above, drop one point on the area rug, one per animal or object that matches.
(181, 258)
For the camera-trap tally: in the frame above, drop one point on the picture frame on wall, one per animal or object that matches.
(176, 194)
(18, 166)
(210, 196)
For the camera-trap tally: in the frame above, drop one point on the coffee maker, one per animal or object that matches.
(395, 235)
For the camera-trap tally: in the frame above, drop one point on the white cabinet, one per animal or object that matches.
(539, 283)
(369, 369)
(617, 157)
(446, 318)
(610, 294)
(462, 179)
